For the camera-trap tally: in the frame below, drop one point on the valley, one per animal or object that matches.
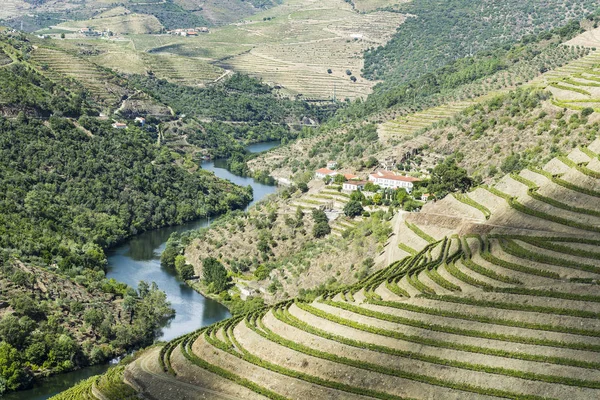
(287, 199)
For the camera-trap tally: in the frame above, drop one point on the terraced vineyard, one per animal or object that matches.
(575, 85)
(407, 125)
(497, 297)
(58, 65)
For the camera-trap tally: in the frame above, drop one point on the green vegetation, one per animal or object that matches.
(423, 44)
(214, 275)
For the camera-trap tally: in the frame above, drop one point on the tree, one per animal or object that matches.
(377, 198)
(371, 162)
(357, 195)
(401, 196)
(448, 177)
(353, 208)
(329, 71)
(353, 78)
(12, 371)
(319, 216)
(214, 274)
(303, 187)
(371, 187)
(339, 178)
(321, 229)
(62, 35)
(348, 72)
(184, 270)
(93, 317)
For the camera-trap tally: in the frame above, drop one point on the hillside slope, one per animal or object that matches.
(500, 302)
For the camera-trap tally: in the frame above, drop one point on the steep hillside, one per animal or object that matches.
(274, 251)
(442, 31)
(525, 119)
(72, 185)
(499, 300)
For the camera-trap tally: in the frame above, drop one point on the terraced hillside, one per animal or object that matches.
(498, 298)
(57, 65)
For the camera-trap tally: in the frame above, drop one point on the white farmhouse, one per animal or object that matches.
(388, 179)
(351, 186)
(323, 172)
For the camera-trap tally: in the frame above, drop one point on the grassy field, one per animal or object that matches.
(509, 308)
(119, 24)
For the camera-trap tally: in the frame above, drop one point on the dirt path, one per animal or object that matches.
(392, 251)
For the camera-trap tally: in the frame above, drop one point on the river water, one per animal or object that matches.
(138, 259)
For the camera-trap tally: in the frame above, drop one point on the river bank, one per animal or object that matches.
(137, 259)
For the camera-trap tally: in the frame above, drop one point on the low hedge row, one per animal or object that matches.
(548, 293)
(517, 306)
(472, 317)
(407, 249)
(458, 274)
(558, 204)
(417, 284)
(570, 88)
(553, 218)
(566, 184)
(489, 257)
(112, 387)
(446, 344)
(511, 247)
(548, 245)
(470, 264)
(463, 198)
(268, 334)
(397, 290)
(194, 359)
(251, 358)
(420, 233)
(434, 275)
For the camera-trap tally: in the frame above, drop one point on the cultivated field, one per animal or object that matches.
(120, 24)
(293, 46)
(497, 297)
(11, 8)
(58, 64)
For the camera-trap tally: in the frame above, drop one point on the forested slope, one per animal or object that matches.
(440, 32)
(70, 186)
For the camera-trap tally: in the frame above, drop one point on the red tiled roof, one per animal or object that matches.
(350, 176)
(394, 177)
(325, 171)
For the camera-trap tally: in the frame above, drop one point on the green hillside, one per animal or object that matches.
(71, 186)
(504, 307)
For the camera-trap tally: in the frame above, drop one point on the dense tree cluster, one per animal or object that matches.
(239, 98)
(444, 31)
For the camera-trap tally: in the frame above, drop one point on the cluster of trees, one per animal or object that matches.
(448, 177)
(67, 192)
(214, 275)
(170, 14)
(239, 98)
(321, 227)
(445, 31)
(44, 333)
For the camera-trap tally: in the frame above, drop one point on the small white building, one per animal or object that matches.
(323, 172)
(388, 179)
(331, 164)
(352, 186)
(141, 120)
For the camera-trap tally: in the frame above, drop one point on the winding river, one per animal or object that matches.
(138, 259)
